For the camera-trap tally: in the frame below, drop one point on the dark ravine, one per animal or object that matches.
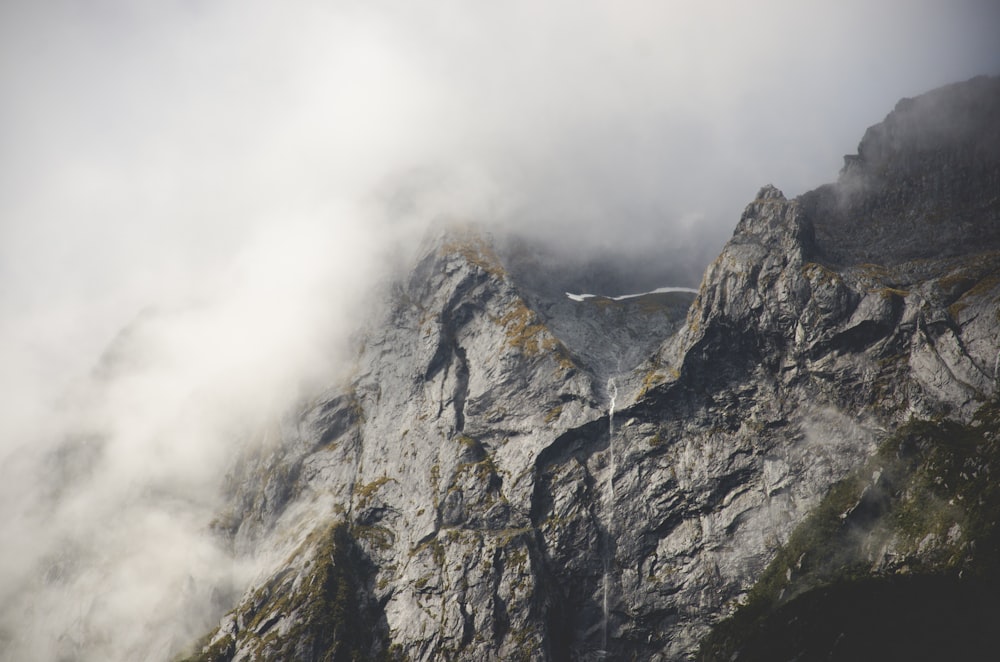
(819, 431)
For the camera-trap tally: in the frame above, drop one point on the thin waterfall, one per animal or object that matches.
(609, 507)
(613, 395)
(996, 368)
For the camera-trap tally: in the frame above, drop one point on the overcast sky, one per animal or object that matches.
(257, 159)
(143, 144)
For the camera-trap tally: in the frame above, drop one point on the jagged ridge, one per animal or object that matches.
(468, 455)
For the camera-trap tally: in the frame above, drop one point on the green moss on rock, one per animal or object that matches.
(324, 613)
(923, 511)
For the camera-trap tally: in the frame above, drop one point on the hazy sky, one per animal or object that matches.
(248, 164)
(145, 143)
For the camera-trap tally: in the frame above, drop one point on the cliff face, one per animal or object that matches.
(482, 490)
(924, 184)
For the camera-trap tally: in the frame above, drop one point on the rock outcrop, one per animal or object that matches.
(480, 490)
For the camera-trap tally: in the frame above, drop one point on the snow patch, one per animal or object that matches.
(659, 290)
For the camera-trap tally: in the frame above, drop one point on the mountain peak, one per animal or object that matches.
(770, 192)
(502, 482)
(923, 184)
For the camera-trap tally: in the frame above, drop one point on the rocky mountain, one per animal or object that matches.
(511, 475)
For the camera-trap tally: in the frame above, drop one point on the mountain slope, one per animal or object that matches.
(480, 490)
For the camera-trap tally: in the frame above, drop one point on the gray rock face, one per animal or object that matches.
(924, 184)
(504, 508)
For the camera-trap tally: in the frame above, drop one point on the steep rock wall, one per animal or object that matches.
(471, 459)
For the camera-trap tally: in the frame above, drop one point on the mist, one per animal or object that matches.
(205, 194)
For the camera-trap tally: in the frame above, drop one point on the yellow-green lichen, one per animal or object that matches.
(364, 493)
(525, 331)
(553, 414)
(322, 610)
(474, 249)
(817, 274)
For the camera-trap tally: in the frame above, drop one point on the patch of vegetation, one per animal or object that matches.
(873, 270)
(928, 495)
(654, 377)
(957, 280)
(326, 616)
(656, 440)
(981, 288)
(483, 475)
(525, 331)
(222, 650)
(377, 537)
(563, 359)
(468, 442)
(553, 521)
(523, 645)
(956, 309)
(517, 558)
(602, 302)
(506, 536)
(475, 251)
(435, 476)
(435, 547)
(553, 414)
(364, 493)
(816, 273)
(889, 293)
